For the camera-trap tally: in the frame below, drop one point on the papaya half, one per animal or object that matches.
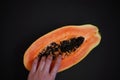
(73, 42)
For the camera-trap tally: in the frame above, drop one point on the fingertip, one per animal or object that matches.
(48, 63)
(60, 56)
(56, 66)
(43, 58)
(50, 57)
(41, 63)
(34, 64)
(35, 60)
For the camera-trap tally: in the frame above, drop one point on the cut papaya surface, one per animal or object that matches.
(73, 42)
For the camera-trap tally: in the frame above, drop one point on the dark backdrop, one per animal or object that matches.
(25, 21)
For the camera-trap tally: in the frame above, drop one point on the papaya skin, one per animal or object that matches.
(88, 31)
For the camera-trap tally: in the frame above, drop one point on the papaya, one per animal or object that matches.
(73, 42)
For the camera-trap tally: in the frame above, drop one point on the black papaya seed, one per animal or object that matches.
(65, 46)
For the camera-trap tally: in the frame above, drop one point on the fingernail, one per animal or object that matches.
(43, 57)
(50, 56)
(36, 58)
(60, 56)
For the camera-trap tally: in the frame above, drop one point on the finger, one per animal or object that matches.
(48, 63)
(56, 66)
(34, 65)
(41, 63)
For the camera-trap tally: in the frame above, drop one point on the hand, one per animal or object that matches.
(41, 70)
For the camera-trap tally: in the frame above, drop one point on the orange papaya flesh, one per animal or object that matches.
(73, 42)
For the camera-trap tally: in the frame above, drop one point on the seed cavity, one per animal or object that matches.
(64, 48)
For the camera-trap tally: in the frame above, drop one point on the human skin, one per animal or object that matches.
(41, 69)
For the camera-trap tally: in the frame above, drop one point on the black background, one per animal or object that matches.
(25, 21)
